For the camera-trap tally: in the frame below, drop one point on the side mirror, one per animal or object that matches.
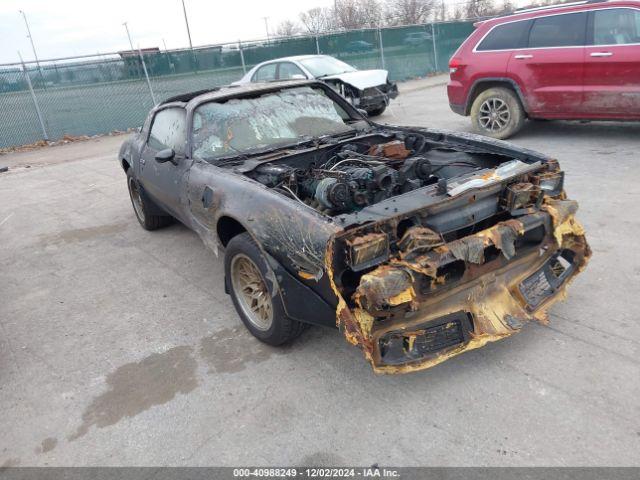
(363, 112)
(298, 76)
(166, 155)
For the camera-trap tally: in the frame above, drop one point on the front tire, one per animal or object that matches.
(254, 292)
(143, 206)
(497, 113)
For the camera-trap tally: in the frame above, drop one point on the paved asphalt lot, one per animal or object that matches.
(119, 346)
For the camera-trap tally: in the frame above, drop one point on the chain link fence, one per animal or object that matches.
(99, 94)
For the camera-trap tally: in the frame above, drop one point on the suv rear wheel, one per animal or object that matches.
(497, 113)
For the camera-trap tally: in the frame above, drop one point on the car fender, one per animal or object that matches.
(294, 233)
(479, 82)
(124, 154)
(292, 236)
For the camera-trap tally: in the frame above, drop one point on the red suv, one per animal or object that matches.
(578, 61)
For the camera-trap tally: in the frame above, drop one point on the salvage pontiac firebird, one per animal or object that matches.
(418, 244)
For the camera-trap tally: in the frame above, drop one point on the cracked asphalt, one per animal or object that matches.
(119, 346)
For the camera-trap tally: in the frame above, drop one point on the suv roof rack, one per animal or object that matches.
(557, 5)
(186, 97)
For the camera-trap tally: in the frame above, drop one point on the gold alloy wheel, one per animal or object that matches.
(251, 292)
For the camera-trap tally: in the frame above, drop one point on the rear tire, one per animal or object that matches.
(497, 113)
(143, 206)
(254, 291)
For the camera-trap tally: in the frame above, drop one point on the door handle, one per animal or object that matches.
(602, 54)
(522, 57)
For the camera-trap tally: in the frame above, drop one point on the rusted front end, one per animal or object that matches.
(438, 294)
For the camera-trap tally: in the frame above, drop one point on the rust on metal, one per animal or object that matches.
(395, 150)
(387, 298)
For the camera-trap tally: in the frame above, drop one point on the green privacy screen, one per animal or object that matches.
(101, 94)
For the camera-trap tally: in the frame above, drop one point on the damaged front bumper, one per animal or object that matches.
(376, 97)
(432, 300)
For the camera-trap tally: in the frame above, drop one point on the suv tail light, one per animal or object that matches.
(454, 64)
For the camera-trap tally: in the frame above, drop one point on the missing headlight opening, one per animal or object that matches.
(453, 279)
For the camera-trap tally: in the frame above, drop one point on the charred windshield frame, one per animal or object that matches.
(354, 119)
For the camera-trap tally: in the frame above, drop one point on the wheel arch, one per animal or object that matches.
(484, 84)
(228, 227)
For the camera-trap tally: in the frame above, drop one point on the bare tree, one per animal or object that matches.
(442, 9)
(353, 14)
(479, 8)
(287, 28)
(318, 20)
(544, 3)
(507, 7)
(409, 12)
(371, 12)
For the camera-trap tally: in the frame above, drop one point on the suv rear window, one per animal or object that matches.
(616, 26)
(567, 30)
(509, 36)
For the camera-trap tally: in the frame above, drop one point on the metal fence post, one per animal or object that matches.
(146, 75)
(317, 46)
(381, 48)
(435, 47)
(244, 67)
(33, 97)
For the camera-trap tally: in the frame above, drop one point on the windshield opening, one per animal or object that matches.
(275, 119)
(323, 66)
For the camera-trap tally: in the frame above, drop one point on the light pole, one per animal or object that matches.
(126, 27)
(133, 50)
(33, 47)
(186, 21)
(266, 26)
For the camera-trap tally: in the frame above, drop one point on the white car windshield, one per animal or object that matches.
(324, 66)
(276, 119)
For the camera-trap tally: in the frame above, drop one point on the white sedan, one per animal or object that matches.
(368, 90)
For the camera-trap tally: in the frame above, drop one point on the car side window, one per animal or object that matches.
(289, 70)
(510, 36)
(266, 73)
(567, 30)
(616, 26)
(169, 130)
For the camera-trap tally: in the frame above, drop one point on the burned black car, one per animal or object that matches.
(417, 244)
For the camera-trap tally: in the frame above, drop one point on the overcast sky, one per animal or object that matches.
(63, 28)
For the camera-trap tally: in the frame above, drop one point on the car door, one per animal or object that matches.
(163, 180)
(612, 64)
(550, 69)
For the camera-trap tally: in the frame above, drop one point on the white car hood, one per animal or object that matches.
(361, 79)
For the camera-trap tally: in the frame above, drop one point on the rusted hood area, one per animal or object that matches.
(435, 299)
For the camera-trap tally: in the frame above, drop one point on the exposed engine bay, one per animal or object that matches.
(353, 175)
(409, 266)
